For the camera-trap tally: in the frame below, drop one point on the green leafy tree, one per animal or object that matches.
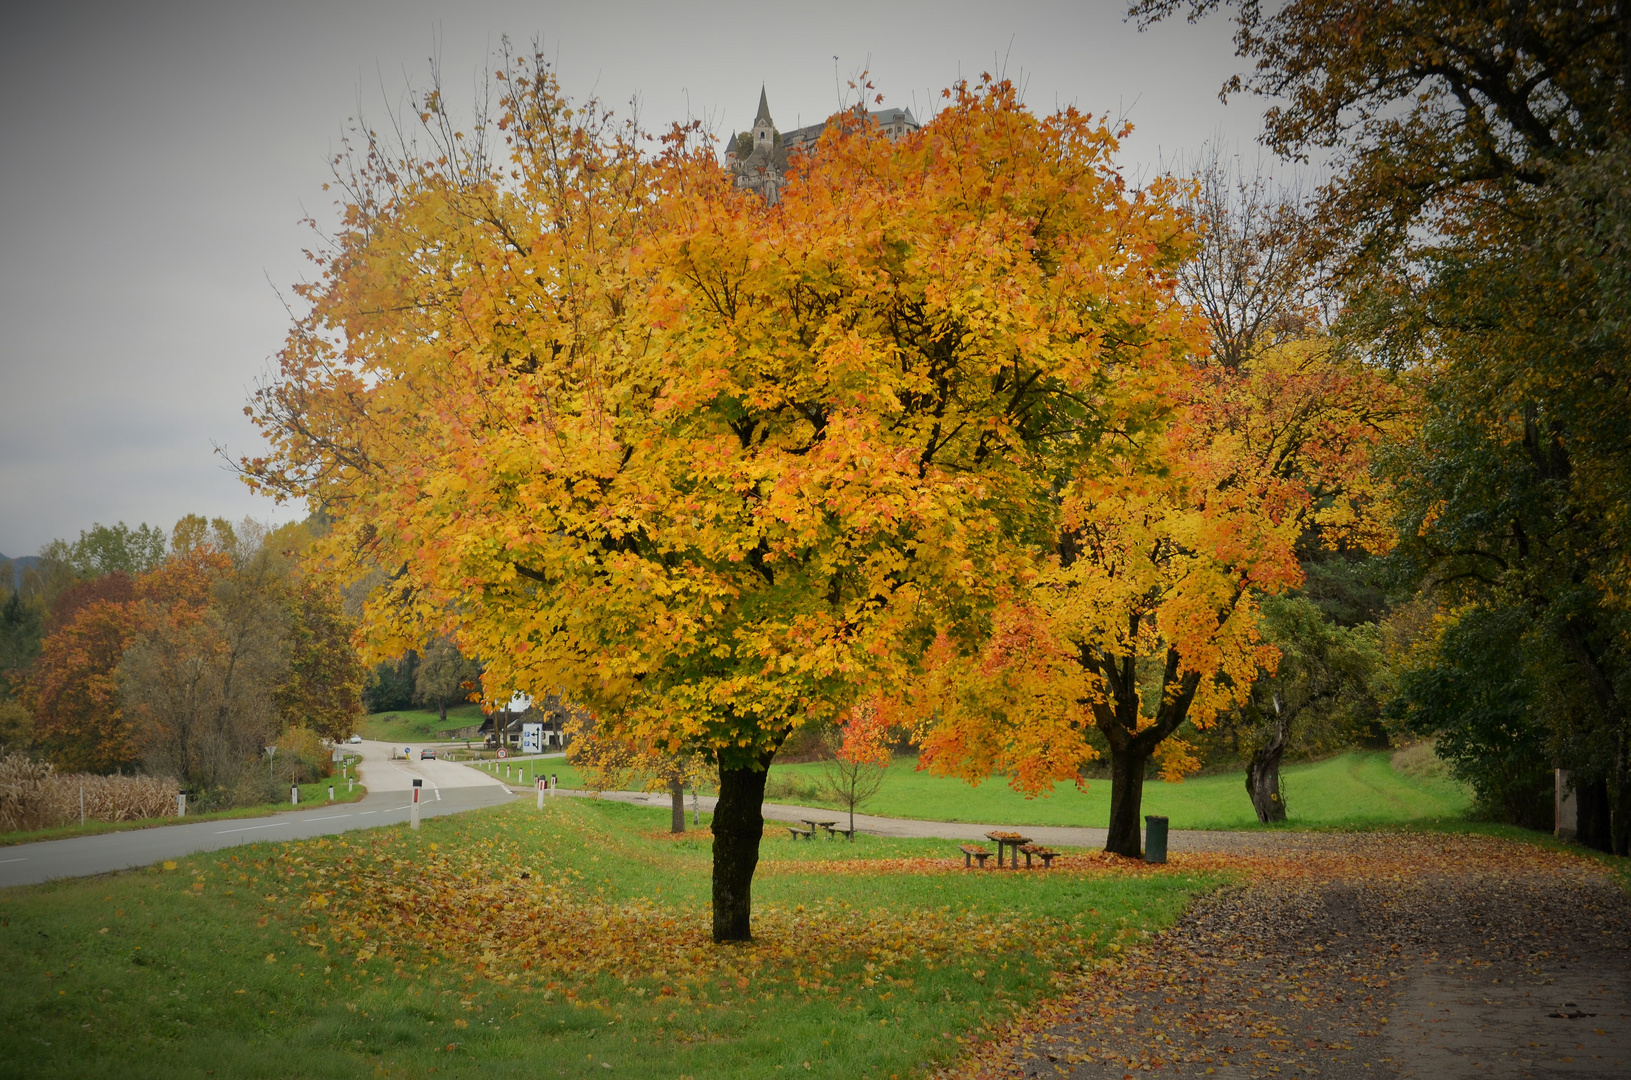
(21, 629)
(1322, 694)
(1476, 694)
(1478, 222)
(444, 676)
(105, 549)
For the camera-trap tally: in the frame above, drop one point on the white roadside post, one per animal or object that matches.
(540, 793)
(294, 794)
(331, 793)
(414, 813)
(181, 804)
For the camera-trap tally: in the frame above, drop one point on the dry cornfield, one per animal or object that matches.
(33, 795)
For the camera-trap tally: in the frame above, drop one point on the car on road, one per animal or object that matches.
(355, 739)
(423, 754)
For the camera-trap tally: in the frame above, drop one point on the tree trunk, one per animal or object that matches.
(1126, 801)
(739, 824)
(1591, 798)
(1263, 776)
(442, 708)
(676, 794)
(1621, 815)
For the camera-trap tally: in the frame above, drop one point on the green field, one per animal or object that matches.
(1357, 789)
(417, 725)
(513, 942)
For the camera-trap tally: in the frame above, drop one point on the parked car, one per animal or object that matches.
(423, 754)
(355, 739)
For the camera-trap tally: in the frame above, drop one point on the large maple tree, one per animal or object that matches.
(714, 469)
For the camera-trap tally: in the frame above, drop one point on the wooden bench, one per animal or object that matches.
(1040, 852)
(838, 830)
(974, 851)
(797, 832)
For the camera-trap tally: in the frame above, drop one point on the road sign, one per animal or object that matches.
(503, 753)
(532, 738)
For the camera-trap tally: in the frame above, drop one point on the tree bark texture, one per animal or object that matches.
(739, 825)
(1127, 800)
(676, 797)
(1263, 775)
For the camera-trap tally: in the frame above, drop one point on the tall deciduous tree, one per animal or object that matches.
(444, 676)
(72, 690)
(1477, 220)
(713, 468)
(107, 549)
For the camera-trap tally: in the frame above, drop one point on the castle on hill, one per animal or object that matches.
(758, 157)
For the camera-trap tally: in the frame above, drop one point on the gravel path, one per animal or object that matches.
(1361, 955)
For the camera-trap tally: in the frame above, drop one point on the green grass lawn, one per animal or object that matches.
(417, 725)
(510, 942)
(1357, 789)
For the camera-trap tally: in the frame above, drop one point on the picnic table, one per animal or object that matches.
(815, 824)
(1011, 840)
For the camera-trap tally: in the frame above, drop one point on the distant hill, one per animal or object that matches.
(18, 566)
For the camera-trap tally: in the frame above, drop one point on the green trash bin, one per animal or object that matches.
(1155, 838)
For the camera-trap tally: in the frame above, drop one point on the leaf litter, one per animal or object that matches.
(1320, 963)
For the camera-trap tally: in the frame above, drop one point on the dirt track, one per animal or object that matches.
(1362, 956)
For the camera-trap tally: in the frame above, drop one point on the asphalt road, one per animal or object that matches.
(448, 789)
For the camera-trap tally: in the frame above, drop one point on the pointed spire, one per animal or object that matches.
(764, 109)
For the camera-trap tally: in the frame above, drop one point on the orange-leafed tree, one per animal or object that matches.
(73, 690)
(1146, 615)
(1142, 619)
(711, 468)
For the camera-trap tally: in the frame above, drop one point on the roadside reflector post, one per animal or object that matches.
(294, 794)
(331, 793)
(540, 793)
(414, 812)
(181, 804)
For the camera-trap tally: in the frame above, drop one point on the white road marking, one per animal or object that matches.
(332, 817)
(249, 828)
(365, 813)
(24, 859)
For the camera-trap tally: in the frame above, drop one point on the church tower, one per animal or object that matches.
(764, 130)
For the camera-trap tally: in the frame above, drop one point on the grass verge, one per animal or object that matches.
(1356, 790)
(417, 725)
(569, 942)
(311, 795)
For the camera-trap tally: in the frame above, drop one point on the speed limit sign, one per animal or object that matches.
(502, 753)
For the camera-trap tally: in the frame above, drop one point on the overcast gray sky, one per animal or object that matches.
(158, 158)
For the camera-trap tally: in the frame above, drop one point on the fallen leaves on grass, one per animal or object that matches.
(499, 910)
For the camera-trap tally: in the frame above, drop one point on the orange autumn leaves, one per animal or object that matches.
(73, 688)
(1145, 615)
(504, 910)
(716, 469)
